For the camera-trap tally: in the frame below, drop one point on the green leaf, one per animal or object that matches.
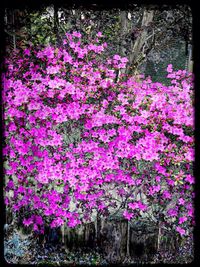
(59, 188)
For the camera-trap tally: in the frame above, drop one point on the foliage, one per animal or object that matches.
(127, 32)
(79, 141)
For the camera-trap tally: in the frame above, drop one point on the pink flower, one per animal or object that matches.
(68, 138)
(124, 60)
(35, 227)
(180, 230)
(190, 212)
(48, 211)
(10, 184)
(133, 205)
(122, 65)
(138, 181)
(182, 219)
(101, 206)
(121, 191)
(142, 206)
(172, 212)
(7, 201)
(99, 34)
(27, 52)
(158, 178)
(154, 189)
(170, 182)
(169, 68)
(38, 220)
(181, 201)
(27, 222)
(167, 195)
(76, 34)
(21, 189)
(73, 222)
(53, 69)
(128, 215)
(137, 205)
(57, 222)
(189, 178)
(116, 57)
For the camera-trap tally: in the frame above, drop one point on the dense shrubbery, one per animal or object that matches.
(80, 141)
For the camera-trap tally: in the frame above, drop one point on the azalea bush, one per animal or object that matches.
(82, 141)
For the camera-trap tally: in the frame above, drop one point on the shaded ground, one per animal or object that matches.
(27, 249)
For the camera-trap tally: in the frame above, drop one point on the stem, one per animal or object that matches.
(128, 239)
(98, 228)
(159, 236)
(63, 233)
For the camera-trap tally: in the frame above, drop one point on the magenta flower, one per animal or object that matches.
(116, 57)
(27, 222)
(99, 34)
(77, 138)
(73, 222)
(35, 227)
(133, 205)
(189, 178)
(38, 220)
(142, 206)
(172, 212)
(181, 201)
(76, 34)
(124, 60)
(101, 206)
(57, 222)
(10, 184)
(182, 219)
(180, 230)
(167, 195)
(128, 215)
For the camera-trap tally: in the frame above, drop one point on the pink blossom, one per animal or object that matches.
(99, 34)
(35, 227)
(181, 201)
(69, 141)
(76, 34)
(169, 68)
(189, 178)
(172, 212)
(73, 222)
(182, 219)
(101, 206)
(180, 230)
(167, 195)
(27, 222)
(116, 57)
(38, 220)
(128, 215)
(142, 206)
(133, 205)
(10, 184)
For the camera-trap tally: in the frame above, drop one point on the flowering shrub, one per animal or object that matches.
(79, 141)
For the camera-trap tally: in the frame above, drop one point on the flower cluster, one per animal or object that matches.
(79, 141)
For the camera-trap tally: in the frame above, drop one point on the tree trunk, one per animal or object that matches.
(98, 229)
(56, 24)
(123, 32)
(122, 39)
(138, 51)
(15, 28)
(114, 241)
(128, 240)
(190, 59)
